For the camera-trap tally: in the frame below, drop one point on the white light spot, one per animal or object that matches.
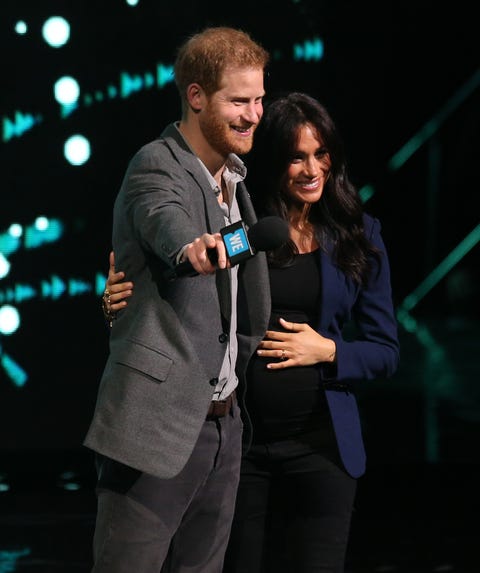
(77, 150)
(21, 27)
(56, 31)
(66, 90)
(9, 319)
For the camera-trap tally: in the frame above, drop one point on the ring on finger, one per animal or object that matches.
(284, 355)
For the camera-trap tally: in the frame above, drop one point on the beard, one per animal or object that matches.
(222, 138)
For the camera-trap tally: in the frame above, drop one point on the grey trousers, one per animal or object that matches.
(150, 525)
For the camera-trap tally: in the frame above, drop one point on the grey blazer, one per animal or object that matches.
(166, 347)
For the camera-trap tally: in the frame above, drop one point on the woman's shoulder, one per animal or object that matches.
(370, 222)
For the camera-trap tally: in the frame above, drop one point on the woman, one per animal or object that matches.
(332, 326)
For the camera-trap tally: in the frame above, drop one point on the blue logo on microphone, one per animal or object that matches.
(235, 239)
(236, 243)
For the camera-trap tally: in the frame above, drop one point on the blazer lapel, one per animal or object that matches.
(189, 161)
(214, 215)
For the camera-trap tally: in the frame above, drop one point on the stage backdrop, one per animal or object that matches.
(85, 83)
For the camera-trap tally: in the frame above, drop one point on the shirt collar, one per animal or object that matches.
(234, 171)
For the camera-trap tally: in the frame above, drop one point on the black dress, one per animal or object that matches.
(290, 403)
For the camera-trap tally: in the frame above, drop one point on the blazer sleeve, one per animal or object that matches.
(157, 201)
(373, 350)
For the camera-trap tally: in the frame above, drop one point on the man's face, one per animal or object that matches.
(232, 114)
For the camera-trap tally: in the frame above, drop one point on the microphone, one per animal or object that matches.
(241, 244)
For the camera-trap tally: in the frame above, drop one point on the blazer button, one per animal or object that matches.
(223, 337)
(213, 382)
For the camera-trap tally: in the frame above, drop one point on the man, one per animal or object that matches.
(166, 427)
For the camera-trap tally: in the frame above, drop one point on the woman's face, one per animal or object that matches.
(309, 169)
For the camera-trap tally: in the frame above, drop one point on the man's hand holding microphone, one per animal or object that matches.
(231, 245)
(198, 254)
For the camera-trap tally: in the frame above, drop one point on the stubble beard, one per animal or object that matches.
(223, 139)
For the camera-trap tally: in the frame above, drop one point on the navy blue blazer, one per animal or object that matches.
(372, 354)
(374, 351)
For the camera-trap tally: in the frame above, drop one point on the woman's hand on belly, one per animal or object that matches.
(298, 345)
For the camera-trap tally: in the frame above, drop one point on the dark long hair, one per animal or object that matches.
(338, 216)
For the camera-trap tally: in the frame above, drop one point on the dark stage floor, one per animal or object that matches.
(408, 519)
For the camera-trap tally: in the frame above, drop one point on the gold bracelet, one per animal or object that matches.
(108, 314)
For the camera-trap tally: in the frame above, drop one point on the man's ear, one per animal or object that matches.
(195, 97)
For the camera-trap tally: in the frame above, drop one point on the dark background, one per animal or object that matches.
(389, 69)
(393, 74)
